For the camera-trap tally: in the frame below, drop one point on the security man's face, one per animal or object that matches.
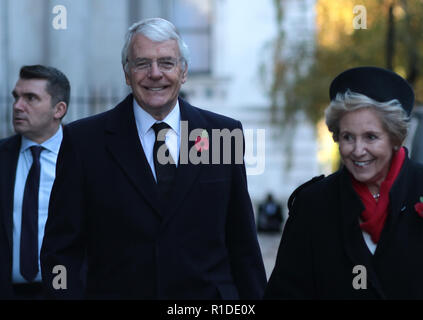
(33, 114)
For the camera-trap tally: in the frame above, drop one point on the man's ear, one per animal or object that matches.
(128, 82)
(60, 110)
(184, 73)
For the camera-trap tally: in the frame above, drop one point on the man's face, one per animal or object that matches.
(33, 115)
(155, 88)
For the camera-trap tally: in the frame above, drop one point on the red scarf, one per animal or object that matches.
(375, 212)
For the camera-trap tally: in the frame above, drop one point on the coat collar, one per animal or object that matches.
(397, 204)
(353, 240)
(187, 172)
(354, 243)
(123, 143)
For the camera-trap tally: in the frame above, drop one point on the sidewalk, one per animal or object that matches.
(269, 244)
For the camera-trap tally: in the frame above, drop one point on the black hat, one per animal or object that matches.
(379, 84)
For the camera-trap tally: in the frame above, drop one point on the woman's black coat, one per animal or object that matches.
(322, 243)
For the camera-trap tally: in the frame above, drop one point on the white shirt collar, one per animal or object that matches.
(145, 120)
(52, 144)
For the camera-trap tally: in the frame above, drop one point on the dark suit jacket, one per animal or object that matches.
(199, 244)
(9, 153)
(322, 242)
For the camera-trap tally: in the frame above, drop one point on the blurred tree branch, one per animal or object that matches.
(301, 74)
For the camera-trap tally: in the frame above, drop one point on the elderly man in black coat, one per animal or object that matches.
(143, 202)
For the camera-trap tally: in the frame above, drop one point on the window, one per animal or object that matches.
(192, 19)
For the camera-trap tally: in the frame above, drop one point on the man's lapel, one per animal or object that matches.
(123, 143)
(187, 172)
(9, 154)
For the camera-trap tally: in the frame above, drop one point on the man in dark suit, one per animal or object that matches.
(147, 226)
(27, 171)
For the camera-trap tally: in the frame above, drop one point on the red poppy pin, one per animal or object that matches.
(202, 142)
(419, 207)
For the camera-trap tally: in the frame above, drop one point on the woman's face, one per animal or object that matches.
(365, 146)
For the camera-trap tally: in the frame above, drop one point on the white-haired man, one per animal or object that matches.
(148, 229)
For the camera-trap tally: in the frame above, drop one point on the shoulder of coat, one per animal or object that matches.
(305, 185)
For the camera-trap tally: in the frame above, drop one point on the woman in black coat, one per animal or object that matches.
(358, 233)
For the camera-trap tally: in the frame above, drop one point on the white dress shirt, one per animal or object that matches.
(48, 158)
(145, 121)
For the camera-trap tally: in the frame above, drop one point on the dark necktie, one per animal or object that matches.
(165, 173)
(29, 228)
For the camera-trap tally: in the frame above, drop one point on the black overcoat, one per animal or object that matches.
(322, 243)
(105, 211)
